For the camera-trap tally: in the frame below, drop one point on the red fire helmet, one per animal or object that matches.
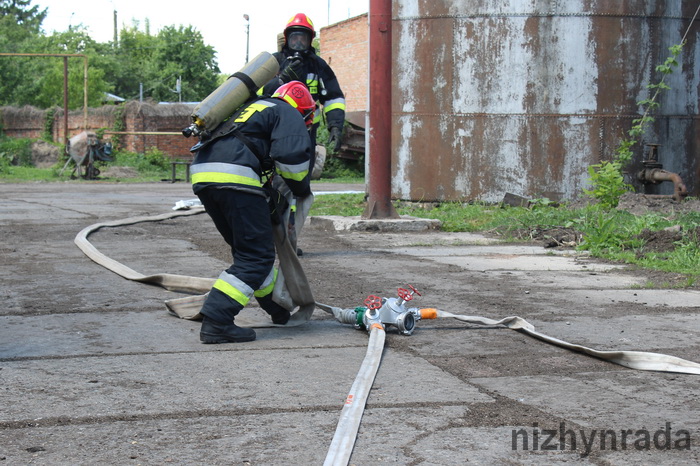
(297, 95)
(300, 20)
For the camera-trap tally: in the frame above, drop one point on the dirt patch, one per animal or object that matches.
(653, 241)
(44, 155)
(328, 263)
(343, 272)
(118, 172)
(640, 204)
(550, 237)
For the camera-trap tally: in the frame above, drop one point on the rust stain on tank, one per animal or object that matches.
(522, 97)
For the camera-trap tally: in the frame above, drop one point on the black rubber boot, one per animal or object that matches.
(217, 332)
(281, 318)
(279, 315)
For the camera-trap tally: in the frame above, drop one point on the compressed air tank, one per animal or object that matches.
(238, 88)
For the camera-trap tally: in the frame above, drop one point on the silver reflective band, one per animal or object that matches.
(220, 167)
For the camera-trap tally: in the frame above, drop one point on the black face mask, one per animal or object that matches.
(299, 41)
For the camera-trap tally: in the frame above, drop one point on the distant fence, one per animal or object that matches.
(143, 125)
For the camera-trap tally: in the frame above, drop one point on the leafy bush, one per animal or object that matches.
(47, 133)
(335, 167)
(15, 151)
(150, 162)
(341, 168)
(608, 183)
(606, 177)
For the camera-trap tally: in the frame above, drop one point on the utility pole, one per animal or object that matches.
(247, 36)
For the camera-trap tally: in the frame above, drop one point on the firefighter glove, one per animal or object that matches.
(334, 137)
(293, 71)
(277, 204)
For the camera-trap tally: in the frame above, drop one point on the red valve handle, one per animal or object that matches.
(405, 294)
(414, 290)
(373, 302)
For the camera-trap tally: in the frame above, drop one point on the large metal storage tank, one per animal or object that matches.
(521, 96)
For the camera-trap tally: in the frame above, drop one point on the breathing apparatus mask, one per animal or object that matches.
(299, 40)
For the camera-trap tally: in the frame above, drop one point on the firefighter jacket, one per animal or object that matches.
(322, 84)
(264, 134)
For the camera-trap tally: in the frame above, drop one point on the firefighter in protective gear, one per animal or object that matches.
(298, 61)
(232, 175)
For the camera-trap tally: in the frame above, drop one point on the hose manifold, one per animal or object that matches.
(391, 312)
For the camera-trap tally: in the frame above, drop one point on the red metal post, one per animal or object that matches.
(379, 200)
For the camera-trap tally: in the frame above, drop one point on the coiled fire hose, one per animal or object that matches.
(378, 313)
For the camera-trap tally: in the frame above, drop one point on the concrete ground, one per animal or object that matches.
(93, 370)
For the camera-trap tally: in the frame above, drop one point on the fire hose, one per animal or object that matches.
(381, 312)
(377, 314)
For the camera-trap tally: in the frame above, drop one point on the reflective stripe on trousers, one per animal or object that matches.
(243, 220)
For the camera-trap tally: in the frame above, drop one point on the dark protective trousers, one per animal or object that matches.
(243, 219)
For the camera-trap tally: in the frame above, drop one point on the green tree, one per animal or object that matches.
(20, 28)
(157, 62)
(49, 92)
(139, 58)
(134, 53)
(20, 13)
(182, 54)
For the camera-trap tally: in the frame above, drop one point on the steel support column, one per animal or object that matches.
(379, 200)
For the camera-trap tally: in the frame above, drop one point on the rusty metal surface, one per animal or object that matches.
(522, 96)
(353, 142)
(379, 166)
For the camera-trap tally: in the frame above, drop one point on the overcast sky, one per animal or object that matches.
(221, 23)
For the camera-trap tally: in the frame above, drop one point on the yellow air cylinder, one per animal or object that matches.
(238, 88)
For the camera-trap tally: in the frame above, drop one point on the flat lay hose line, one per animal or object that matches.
(346, 431)
(638, 360)
(350, 416)
(296, 285)
(291, 285)
(168, 281)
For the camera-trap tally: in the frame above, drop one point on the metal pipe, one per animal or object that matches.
(65, 102)
(153, 133)
(657, 175)
(379, 128)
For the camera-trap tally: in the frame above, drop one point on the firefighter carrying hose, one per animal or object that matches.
(232, 175)
(299, 62)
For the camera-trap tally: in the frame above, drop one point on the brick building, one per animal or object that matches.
(344, 46)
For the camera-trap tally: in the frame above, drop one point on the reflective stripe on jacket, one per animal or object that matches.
(276, 131)
(323, 86)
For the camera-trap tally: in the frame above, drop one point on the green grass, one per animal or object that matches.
(607, 234)
(151, 166)
(346, 205)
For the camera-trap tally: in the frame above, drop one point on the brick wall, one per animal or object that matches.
(24, 122)
(344, 46)
(171, 118)
(28, 122)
